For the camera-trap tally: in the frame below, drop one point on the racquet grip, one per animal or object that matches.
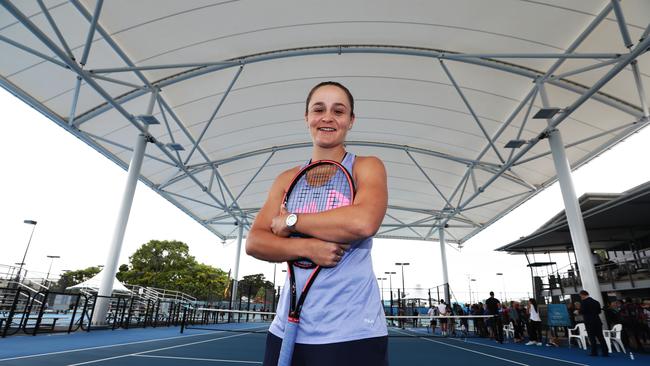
(288, 341)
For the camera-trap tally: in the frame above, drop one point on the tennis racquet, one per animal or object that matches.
(320, 186)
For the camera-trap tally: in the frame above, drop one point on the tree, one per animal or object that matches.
(168, 265)
(256, 283)
(159, 264)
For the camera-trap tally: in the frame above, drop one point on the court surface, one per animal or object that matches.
(167, 346)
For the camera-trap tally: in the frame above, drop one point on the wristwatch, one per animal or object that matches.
(291, 221)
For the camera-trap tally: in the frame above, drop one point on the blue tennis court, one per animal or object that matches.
(240, 346)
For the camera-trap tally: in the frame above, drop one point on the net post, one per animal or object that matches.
(184, 319)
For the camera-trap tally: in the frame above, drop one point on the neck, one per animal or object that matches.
(335, 154)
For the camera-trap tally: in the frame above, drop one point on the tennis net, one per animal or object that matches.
(227, 320)
(459, 326)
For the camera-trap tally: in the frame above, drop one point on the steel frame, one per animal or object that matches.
(233, 211)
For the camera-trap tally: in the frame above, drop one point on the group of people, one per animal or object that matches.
(634, 318)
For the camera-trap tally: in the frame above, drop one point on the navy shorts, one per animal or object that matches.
(367, 352)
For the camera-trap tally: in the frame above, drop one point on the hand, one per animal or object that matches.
(327, 254)
(279, 223)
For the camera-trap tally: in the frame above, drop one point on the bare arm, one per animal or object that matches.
(263, 244)
(350, 223)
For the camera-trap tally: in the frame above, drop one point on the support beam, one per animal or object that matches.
(429, 179)
(110, 266)
(33, 52)
(55, 28)
(235, 275)
(443, 259)
(214, 114)
(91, 32)
(377, 49)
(572, 208)
(471, 110)
(623, 62)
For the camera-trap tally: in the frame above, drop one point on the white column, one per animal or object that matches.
(577, 229)
(443, 258)
(110, 266)
(235, 275)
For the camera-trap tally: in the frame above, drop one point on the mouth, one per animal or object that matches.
(327, 129)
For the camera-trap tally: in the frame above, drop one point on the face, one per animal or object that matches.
(329, 116)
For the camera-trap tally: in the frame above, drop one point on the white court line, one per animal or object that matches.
(466, 349)
(199, 359)
(158, 349)
(526, 353)
(155, 350)
(107, 346)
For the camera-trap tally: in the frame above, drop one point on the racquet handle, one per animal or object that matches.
(288, 341)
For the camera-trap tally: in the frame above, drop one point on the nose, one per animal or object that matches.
(328, 116)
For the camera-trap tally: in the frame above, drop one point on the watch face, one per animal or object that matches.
(291, 220)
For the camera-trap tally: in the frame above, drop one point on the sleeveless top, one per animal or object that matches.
(343, 303)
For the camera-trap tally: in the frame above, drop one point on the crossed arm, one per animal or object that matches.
(331, 231)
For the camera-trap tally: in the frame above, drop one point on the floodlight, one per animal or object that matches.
(176, 147)
(148, 119)
(515, 144)
(546, 113)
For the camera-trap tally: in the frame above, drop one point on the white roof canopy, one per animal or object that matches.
(95, 282)
(440, 86)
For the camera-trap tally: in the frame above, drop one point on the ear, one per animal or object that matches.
(351, 122)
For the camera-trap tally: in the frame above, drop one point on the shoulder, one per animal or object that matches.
(368, 165)
(284, 179)
(368, 162)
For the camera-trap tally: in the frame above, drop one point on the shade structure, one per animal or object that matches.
(613, 222)
(441, 88)
(94, 283)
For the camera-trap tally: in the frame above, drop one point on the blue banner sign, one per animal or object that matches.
(558, 315)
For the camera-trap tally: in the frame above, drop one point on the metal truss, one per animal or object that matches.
(466, 190)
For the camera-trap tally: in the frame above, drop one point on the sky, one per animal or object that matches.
(73, 192)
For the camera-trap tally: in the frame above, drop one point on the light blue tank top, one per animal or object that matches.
(343, 304)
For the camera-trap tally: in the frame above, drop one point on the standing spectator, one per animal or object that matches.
(493, 305)
(590, 309)
(433, 311)
(442, 310)
(534, 324)
(631, 316)
(482, 327)
(516, 318)
(416, 314)
(401, 313)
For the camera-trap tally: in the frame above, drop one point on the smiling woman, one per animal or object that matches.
(320, 217)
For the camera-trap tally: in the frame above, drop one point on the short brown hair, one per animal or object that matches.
(331, 83)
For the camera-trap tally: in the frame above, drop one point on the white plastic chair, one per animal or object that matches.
(509, 331)
(580, 333)
(614, 336)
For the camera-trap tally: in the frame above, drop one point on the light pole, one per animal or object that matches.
(403, 288)
(52, 258)
(390, 284)
(503, 281)
(382, 289)
(22, 263)
(470, 289)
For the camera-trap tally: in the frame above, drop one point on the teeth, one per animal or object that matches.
(326, 129)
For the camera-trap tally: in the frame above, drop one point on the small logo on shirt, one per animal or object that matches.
(369, 321)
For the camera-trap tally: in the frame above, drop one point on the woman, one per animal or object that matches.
(534, 324)
(342, 321)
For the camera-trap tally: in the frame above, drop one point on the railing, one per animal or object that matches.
(614, 274)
